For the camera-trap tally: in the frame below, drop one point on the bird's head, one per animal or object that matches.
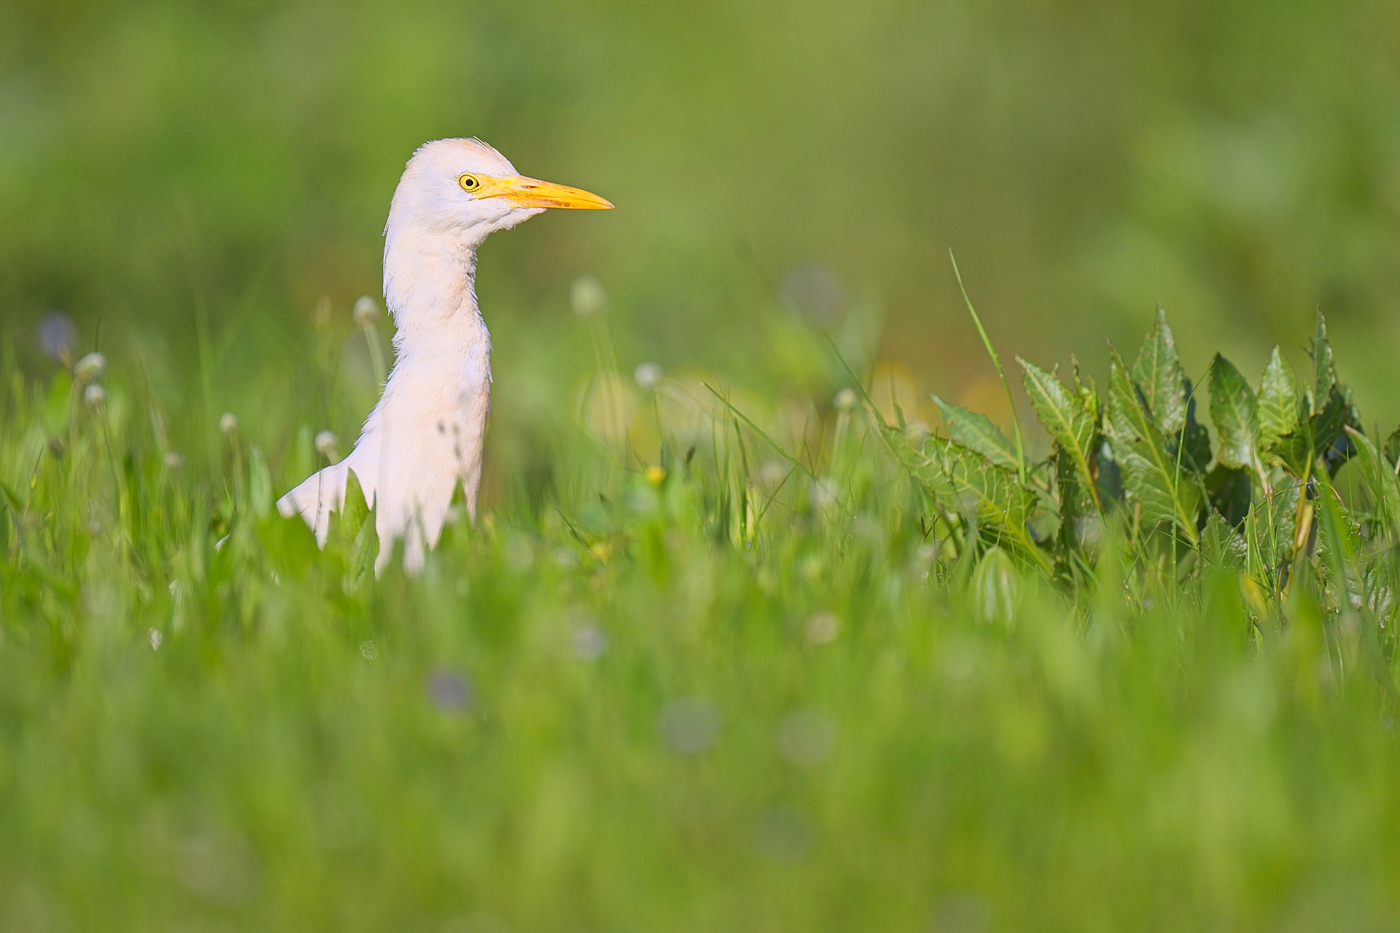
(464, 189)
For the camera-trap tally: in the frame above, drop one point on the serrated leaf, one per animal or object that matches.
(926, 466)
(1071, 419)
(1152, 478)
(1194, 438)
(1335, 447)
(964, 482)
(1222, 546)
(1392, 447)
(1229, 490)
(1234, 410)
(1157, 370)
(1278, 401)
(977, 432)
(1379, 477)
(1270, 527)
(995, 493)
(1324, 368)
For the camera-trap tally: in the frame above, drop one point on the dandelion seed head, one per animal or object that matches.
(95, 395)
(648, 375)
(228, 423)
(845, 400)
(89, 367)
(587, 296)
(366, 312)
(325, 443)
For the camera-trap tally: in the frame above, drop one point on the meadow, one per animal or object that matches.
(789, 605)
(734, 684)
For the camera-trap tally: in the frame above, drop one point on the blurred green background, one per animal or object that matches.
(170, 166)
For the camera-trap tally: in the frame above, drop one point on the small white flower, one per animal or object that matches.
(228, 423)
(89, 367)
(325, 443)
(95, 395)
(587, 296)
(845, 401)
(648, 375)
(366, 312)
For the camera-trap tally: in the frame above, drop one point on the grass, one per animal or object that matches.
(717, 695)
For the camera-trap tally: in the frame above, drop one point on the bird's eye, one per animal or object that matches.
(469, 182)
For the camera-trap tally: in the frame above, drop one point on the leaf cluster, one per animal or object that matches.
(1136, 456)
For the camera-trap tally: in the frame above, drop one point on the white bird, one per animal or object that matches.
(425, 435)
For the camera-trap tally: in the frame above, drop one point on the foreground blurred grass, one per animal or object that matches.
(714, 695)
(632, 702)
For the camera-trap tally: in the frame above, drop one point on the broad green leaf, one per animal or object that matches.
(1379, 477)
(995, 588)
(1221, 545)
(1229, 490)
(1270, 527)
(976, 432)
(1234, 409)
(1070, 418)
(1157, 370)
(964, 482)
(1278, 401)
(1330, 440)
(925, 464)
(1194, 438)
(1152, 478)
(1324, 369)
(1077, 505)
(977, 486)
(1392, 447)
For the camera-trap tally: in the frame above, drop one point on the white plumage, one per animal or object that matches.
(425, 435)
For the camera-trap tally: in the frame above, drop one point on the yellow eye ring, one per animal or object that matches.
(469, 182)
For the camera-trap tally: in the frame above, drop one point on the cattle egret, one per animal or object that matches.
(424, 437)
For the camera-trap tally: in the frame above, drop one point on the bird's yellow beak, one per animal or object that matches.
(531, 192)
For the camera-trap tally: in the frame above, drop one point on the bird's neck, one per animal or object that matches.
(430, 288)
(441, 374)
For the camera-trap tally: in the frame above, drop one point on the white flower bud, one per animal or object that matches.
(95, 395)
(366, 312)
(648, 375)
(89, 367)
(325, 443)
(587, 296)
(228, 423)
